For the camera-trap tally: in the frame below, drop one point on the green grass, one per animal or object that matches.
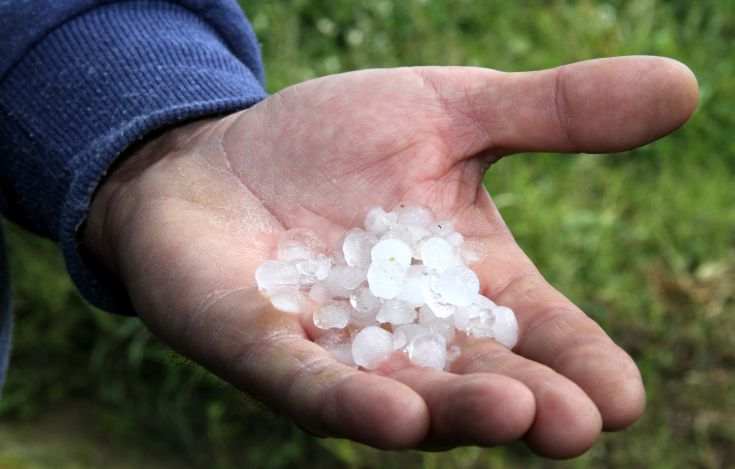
(643, 241)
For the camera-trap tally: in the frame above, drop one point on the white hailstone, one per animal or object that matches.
(343, 354)
(429, 350)
(334, 286)
(371, 346)
(455, 238)
(453, 353)
(299, 243)
(288, 300)
(458, 285)
(363, 300)
(334, 283)
(343, 279)
(443, 327)
(411, 234)
(482, 324)
(339, 343)
(426, 315)
(461, 319)
(506, 326)
(272, 274)
(434, 324)
(442, 228)
(399, 233)
(335, 314)
(313, 270)
(438, 254)
(433, 299)
(333, 337)
(324, 263)
(360, 319)
(377, 221)
(319, 293)
(414, 215)
(469, 254)
(411, 291)
(352, 277)
(337, 257)
(386, 279)
(417, 263)
(356, 247)
(364, 307)
(396, 312)
(481, 306)
(405, 333)
(393, 251)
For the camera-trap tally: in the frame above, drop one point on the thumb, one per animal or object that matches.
(595, 106)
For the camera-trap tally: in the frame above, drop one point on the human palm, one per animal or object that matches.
(187, 218)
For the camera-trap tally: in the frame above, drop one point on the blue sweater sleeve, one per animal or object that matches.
(81, 80)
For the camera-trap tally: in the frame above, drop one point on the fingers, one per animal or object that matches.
(554, 332)
(566, 422)
(264, 352)
(558, 334)
(595, 106)
(480, 409)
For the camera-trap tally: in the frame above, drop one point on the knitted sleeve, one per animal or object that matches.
(81, 80)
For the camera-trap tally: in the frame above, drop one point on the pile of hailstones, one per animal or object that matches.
(402, 284)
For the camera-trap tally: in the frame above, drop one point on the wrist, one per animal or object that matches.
(130, 182)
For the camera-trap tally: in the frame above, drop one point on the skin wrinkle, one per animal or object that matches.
(210, 299)
(498, 234)
(440, 195)
(552, 315)
(480, 204)
(274, 213)
(327, 397)
(306, 205)
(466, 360)
(351, 168)
(268, 179)
(454, 176)
(533, 373)
(538, 378)
(512, 282)
(152, 266)
(431, 387)
(439, 100)
(562, 108)
(148, 265)
(575, 345)
(430, 164)
(479, 391)
(474, 406)
(487, 141)
(320, 223)
(230, 172)
(496, 228)
(261, 344)
(308, 367)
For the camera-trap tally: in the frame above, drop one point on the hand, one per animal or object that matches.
(187, 218)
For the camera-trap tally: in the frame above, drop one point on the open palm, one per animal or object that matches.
(185, 221)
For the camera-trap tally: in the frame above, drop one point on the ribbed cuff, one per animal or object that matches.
(91, 88)
(6, 319)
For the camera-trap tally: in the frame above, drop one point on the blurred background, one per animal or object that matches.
(643, 241)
